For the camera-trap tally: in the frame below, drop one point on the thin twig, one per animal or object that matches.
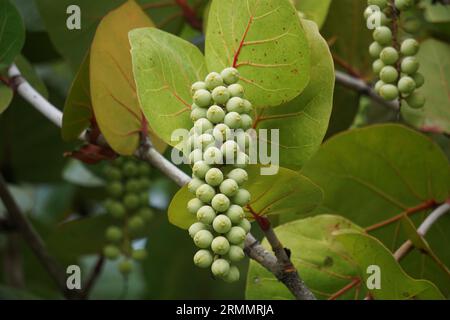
(93, 277)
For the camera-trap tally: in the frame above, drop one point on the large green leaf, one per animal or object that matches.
(287, 192)
(345, 29)
(373, 174)
(434, 57)
(12, 33)
(265, 41)
(303, 121)
(321, 262)
(6, 95)
(395, 283)
(313, 9)
(165, 67)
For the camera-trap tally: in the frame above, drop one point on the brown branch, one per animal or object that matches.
(190, 15)
(93, 277)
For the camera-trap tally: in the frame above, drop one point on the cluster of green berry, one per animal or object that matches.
(220, 143)
(396, 67)
(128, 185)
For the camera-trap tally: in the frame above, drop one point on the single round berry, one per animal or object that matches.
(214, 177)
(410, 65)
(236, 90)
(406, 85)
(111, 252)
(194, 205)
(238, 175)
(117, 210)
(196, 227)
(246, 225)
(198, 113)
(235, 213)
(146, 214)
(377, 65)
(203, 258)
(230, 75)
(136, 224)
(389, 92)
(220, 268)
(206, 215)
(220, 95)
(409, 47)
(130, 169)
(112, 173)
(203, 239)
(236, 235)
(242, 160)
(213, 155)
(215, 114)
(236, 104)
(213, 80)
(195, 155)
(412, 24)
(233, 275)
(388, 74)
(220, 245)
(198, 86)
(233, 120)
(139, 254)
(220, 202)
(194, 184)
(200, 168)
(246, 121)
(416, 100)
(114, 234)
(383, 35)
(229, 149)
(202, 98)
(132, 185)
(404, 4)
(236, 254)
(221, 133)
(131, 201)
(205, 193)
(115, 189)
(378, 86)
(229, 187)
(242, 197)
(419, 79)
(221, 224)
(144, 183)
(389, 55)
(202, 125)
(206, 140)
(125, 267)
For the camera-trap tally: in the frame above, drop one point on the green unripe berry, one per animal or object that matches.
(242, 160)
(389, 55)
(112, 173)
(111, 252)
(418, 79)
(404, 4)
(235, 104)
(136, 224)
(220, 95)
(200, 168)
(198, 86)
(195, 156)
(247, 106)
(221, 132)
(233, 275)
(220, 245)
(380, 3)
(221, 224)
(246, 225)
(236, 254)
(206, 215)
(130, 169)
(131, 201)
(410, 65)
(406, 85)
(377, 65)
(198, 113)
(409, 47)
(194, 205)
(229, 149)
(215, 114)
(205, 193)
(203, 239)
(243, 139)
(246, 121)
(389, 74)
(383, 35)
(203, 258)
(144, 183)
(146, 214)
(213, 80)
(236, 90)
(144, 198)
(412, 25)
(117, 210)
(220, 202)
(194, 184)
(389, 92)
(144, 169)
(236, 235)
(132, 185)
(214, 177)
(202, 98)
(238, 175)
(229, 187)
(230, 75)
(196, 227)
(139, 254)
(113, 234)
(233, 120)
(202, 125)
(416, 100)
(241, 198)
(378, 86)
(220, 268)
(235, 213)
(115, 189)
(212, 156)
(125, 267)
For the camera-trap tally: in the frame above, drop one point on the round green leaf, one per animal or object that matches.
(12, 33)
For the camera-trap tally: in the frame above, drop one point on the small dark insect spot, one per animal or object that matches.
(328, 261)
